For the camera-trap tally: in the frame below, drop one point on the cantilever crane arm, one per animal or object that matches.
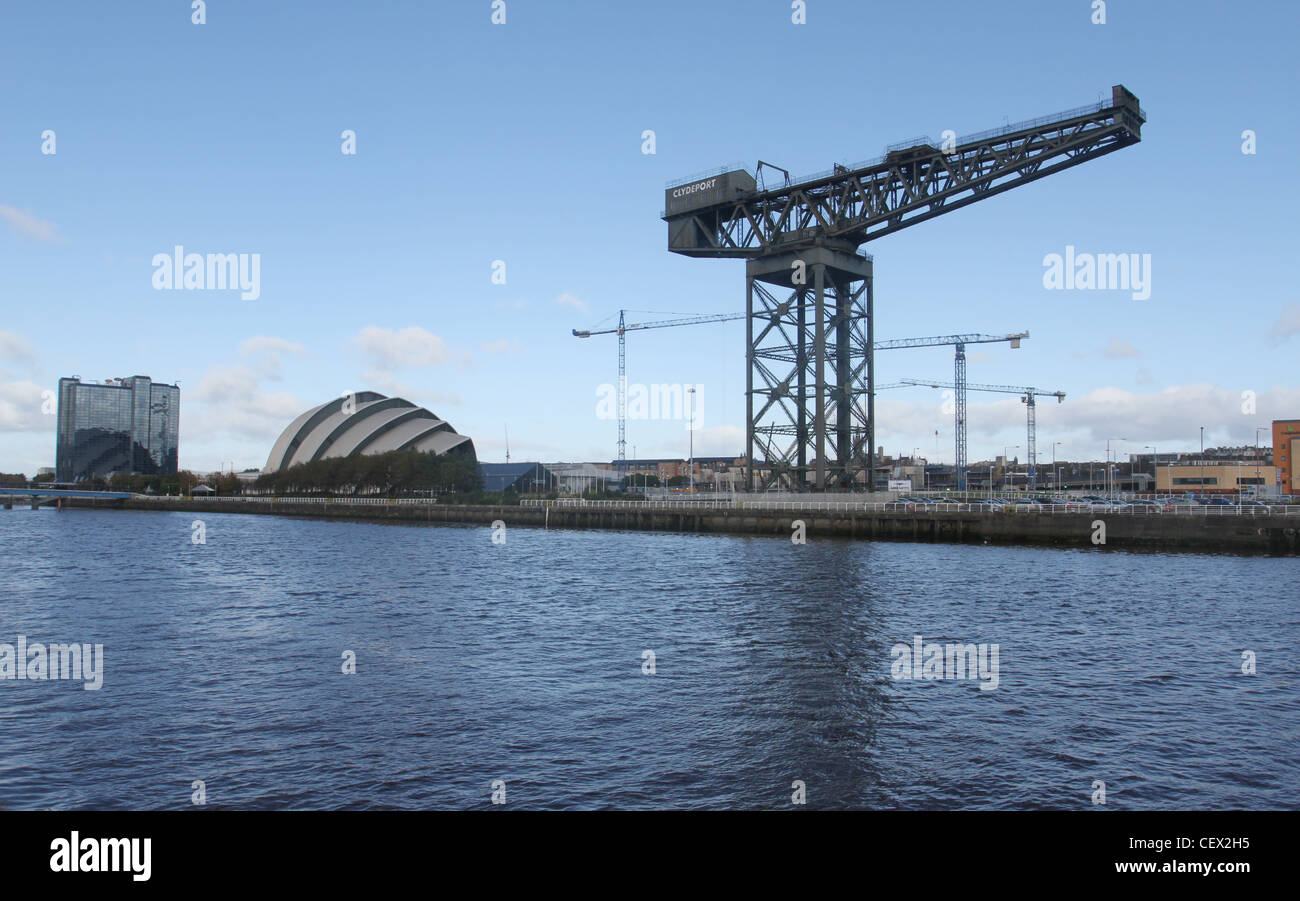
(856, 204)
(951, 339)
(1001, 389)
(663, 323)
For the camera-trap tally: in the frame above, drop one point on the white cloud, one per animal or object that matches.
(20, 408)
(401, 348)
(263, 344)
(719, 441)
(501, 346)
(568, 300)
(231, 402)
(1119, 350)
(385, 383)
(269, 353)
(14, 348)
(24, 223)
(1288, 323)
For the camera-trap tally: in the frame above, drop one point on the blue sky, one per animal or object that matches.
(522, 142)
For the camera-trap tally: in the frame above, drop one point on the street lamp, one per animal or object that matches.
(1005, 448)
(1056, 476)
(1155, 463)
(1259, 482)
(691, 391)
(1110, 478)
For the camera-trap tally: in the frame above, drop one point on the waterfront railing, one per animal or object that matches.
(812, 505)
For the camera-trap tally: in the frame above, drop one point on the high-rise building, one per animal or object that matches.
(122, 425)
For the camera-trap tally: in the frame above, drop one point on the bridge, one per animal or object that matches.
(44, 496)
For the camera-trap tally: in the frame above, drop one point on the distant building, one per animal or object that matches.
(523, 478)
(720, 472)
(1286, 444)
(364, 423)
(1216, 478)
(580, 477)
(127, 425)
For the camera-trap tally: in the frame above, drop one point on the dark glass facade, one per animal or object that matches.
(128, 425)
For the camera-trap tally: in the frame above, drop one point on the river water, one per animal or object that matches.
(524, 665)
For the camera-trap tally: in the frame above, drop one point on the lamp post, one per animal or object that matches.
(1259, 482)
(1110, 478)
(1005, 448)
(1056, 476)
(990, 483)
(690, 390)
(1155, 463)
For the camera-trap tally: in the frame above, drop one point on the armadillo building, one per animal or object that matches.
(364, 423)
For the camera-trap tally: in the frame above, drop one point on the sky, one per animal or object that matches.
(518, 150)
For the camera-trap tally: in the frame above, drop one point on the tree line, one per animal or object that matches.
(394, 473)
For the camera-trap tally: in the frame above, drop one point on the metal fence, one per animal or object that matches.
(265, 499)
(815, 506)
(811, 505)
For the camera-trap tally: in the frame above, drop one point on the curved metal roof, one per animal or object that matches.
(370, 424)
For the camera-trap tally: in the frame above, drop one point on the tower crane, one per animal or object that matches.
(623, 328)
(959, 373)
(1027, 396)
(809, 344)
(958, 381)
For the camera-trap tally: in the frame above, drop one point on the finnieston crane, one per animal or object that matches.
(959, 382)
(1027, 396)
(812, 352)
(621, 331)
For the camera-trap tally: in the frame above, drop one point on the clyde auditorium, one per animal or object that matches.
(364, 423)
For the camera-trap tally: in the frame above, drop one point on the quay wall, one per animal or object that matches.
(1262, 533)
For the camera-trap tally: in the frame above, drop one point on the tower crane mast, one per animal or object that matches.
(1027, 396)
(959, 383)
(622, 330)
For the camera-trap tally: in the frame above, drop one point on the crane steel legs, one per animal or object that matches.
(810, 407)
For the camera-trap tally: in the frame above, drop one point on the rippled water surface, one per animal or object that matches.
(523, 662)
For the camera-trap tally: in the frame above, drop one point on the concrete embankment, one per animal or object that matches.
(1268, 534)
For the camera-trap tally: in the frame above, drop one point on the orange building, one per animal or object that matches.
(1286, 446)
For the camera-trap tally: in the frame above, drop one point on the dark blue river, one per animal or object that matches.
(523, 663)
